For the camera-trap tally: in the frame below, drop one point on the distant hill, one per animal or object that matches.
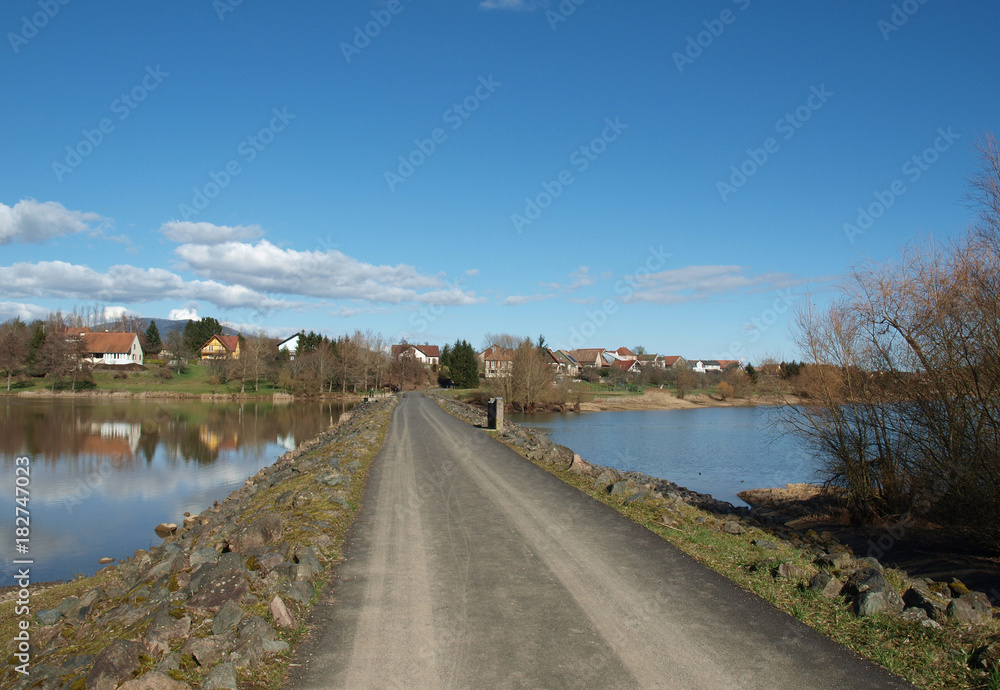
(164, 326)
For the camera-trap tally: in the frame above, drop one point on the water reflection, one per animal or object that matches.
(104, 471)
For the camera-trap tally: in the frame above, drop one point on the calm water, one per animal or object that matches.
(716, 450)
(104, 473)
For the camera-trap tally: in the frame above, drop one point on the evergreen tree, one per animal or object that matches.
(153, 340)
(197, 333)
(751, 372)
(464, 365)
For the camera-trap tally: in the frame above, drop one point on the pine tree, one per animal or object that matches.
(464, 366)
(153, 340)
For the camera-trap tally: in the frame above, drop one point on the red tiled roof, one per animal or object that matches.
(624, 364)
(495, 353)
(625, 352)
(107, 343)
(670, 360)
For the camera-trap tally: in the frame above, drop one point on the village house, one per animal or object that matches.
(672, 362)
(563, 363)
(496, 361)
(629, 366)
(626, 354)
(703, 366)
(428, 355)
(221, 347)
(115, 349)
(290, 345)
(589, 357)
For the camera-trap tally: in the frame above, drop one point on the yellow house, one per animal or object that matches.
(221, 347)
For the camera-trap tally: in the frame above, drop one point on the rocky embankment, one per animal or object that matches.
(219, 602)
(826, 567)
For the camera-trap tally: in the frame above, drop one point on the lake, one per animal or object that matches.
(715, 450)
(105, 472)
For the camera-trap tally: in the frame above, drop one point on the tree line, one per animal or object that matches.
(905, 376)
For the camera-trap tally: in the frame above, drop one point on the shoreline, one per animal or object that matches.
(664, 400)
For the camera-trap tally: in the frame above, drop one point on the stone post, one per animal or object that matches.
(494, 414)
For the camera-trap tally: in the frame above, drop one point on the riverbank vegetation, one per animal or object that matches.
(906, 378)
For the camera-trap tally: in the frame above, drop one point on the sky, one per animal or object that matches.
(680, 176)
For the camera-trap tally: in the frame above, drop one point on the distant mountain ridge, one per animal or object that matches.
(164, 326)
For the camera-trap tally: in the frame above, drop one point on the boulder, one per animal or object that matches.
(228, 585)
(115, 665)
(163, 629)
(228, 617)
(154, 681)
(962, 610)
(733, 527)
(222, 677)
(282, 616)
(835, 561)
(790, 571)
(165, 529)
(249, 651)
(913, 615)
(255, 625)
(105, 560)
(934, 605)
(764, 544)
(260, 532)
(826, 584)
(885, 601)
(208, 651)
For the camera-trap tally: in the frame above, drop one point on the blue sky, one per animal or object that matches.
(599, 172)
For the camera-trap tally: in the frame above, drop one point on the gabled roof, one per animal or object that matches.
(107, 343)
(562, 357)
(625, 352)
(426, 350)
(624, 364)
(671, 360)
(230, 342)
(587, 355)
(648, 358)
(289, 339)
(726, 363)
(496, 353)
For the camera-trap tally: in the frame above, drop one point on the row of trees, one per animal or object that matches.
(907, 378)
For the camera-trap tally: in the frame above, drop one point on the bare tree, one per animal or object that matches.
(14, 339)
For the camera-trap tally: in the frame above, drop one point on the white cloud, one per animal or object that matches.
(32, 221)
(580, 278)
(696, 283)
(206, 233)
(472, 272)
(25, 312)
(112, 313)
(517, 300)
(325, 273)
(183, 315)
(125, 283)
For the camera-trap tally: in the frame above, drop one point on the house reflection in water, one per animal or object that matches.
(115, 440)
(215, 440)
